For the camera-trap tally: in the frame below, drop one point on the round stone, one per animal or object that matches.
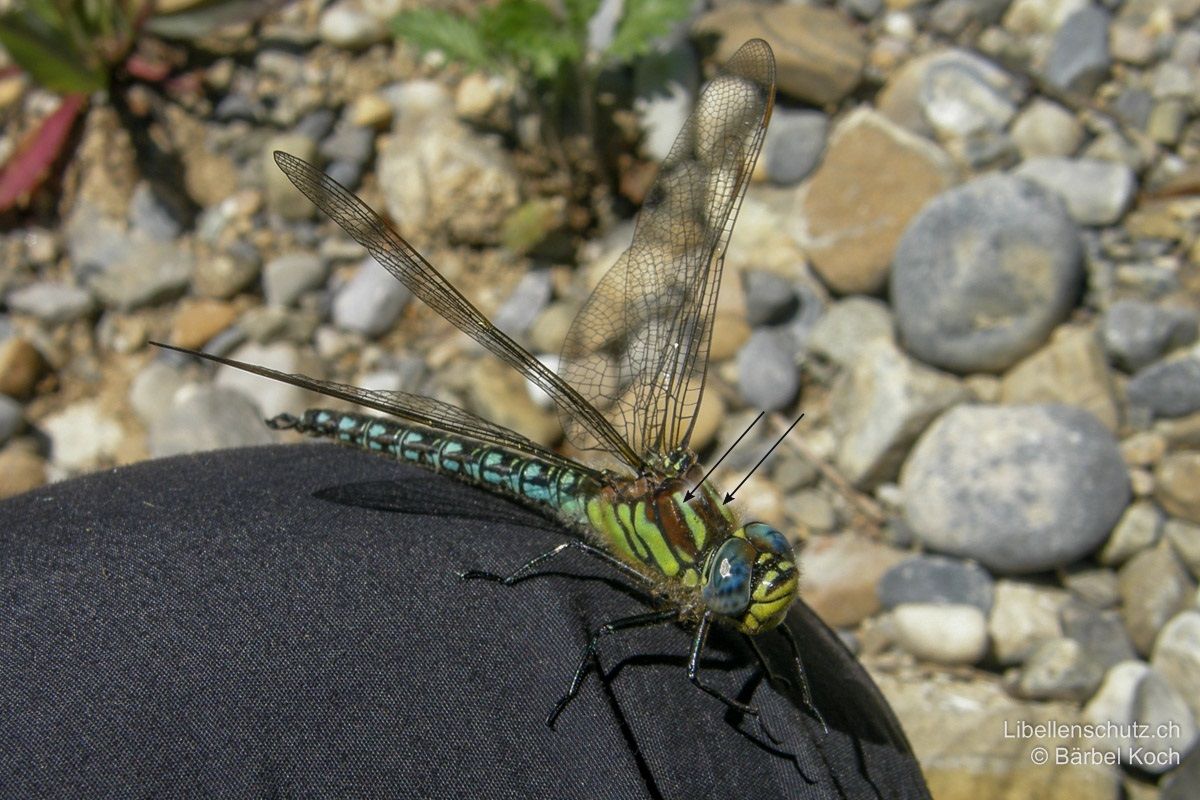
(944, 634)
(984, 273)
(1168, 388)
(1017, 488)
(937, 579)
(768, 377)
(1059, 669)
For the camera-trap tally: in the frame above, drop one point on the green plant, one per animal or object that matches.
(545, 49)
(77, 48)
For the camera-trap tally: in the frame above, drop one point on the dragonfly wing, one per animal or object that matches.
(638, 349)
(409, 267)
(412, 407)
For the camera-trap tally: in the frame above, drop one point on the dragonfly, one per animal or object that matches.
(630, 380)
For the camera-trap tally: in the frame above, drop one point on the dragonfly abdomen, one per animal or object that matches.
(473, 461)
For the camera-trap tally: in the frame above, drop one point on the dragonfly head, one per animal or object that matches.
(751, 578)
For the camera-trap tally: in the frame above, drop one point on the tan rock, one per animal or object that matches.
(874, 179)
(969, 740)
(819, 54)
(21, 469)
(21, 365)
(1071, 369)
(197, 321)
(1178, 485)
(838, 575)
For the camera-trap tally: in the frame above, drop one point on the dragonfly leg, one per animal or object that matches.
(526, 569)
(693, 673)
(805, 691)
(589, 652)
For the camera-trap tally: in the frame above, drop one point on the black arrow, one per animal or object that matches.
(690, 493)
(729, 495)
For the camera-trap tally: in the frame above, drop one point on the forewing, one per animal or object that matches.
(410, 268)
(411, 407)
(638, 349)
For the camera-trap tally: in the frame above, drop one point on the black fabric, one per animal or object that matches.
(206, 626)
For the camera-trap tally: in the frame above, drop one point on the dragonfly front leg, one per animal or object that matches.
(526, 569)
(589, 652)
(805, 692)
(693, 673)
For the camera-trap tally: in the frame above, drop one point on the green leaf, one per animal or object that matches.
(579, 13)
(46, 54)
(531, 36)
(644, 21)
(460, 39)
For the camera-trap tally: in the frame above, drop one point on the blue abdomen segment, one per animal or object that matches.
(481, 463)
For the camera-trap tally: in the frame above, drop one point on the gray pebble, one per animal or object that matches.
(1101, 633)
(863, 9)
(791, 472)
(1134, 105)
(1059, 669)
(964, 96)
(1023, 616)
(880, 405)
(1096, 192)
(349, 143)
(239, 106)
(94, 241)
(1137, 332)
(371, 302)
(228, 273)
(317, 124)
(11, 418)
(1185, 539)
(149, 217)
(1154, 587)
(1079, 58)
(1017, 488)
(1138, 529)
(345, 26)
(1096, 586)
(149, 273)
(811, 508)
(768, 378)
(1177, 657)
(52, 303)
(770, 299)
(346, 173)
(1046, 129)
(1112, 705)
(794, 145)
(983, 274)
(153, 389)
(849, 325)
(285, 278)
(1158, 706)
(1168, 388)
(208, 418)
(1181, 782)
(936, 579)
(528, 299)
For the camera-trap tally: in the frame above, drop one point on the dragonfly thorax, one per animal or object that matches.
(750, 579)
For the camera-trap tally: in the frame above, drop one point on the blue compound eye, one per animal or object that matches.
(727, 590)
(768, 540)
